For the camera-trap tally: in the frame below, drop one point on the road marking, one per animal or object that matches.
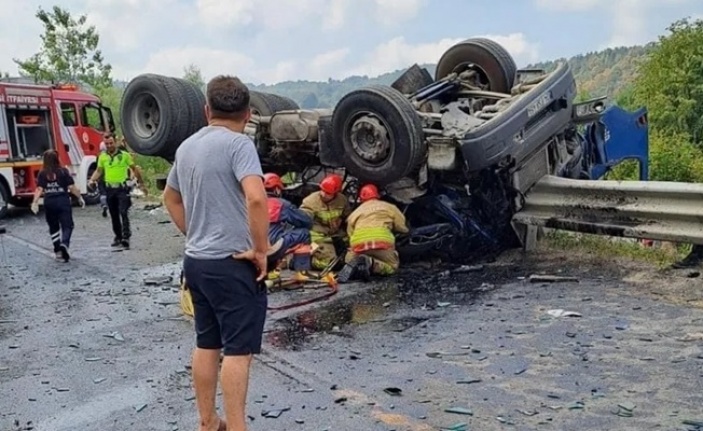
(30, 245)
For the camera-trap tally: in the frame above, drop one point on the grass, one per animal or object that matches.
(152, 168)
(607, 247)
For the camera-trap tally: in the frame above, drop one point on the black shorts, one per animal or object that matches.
(228, 303)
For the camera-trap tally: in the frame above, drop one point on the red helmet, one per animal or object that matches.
(331, 184)
(272, 182)
(368, 192)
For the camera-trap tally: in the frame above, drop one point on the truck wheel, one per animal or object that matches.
(490, 58)
(196, 118)
(155, 113)
(379, 134)
(4, 200)
(267, 104)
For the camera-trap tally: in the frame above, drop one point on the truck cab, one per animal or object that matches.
(35, 118)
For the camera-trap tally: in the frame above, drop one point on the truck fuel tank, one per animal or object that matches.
(296, 126)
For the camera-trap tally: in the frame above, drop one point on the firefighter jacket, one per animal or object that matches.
(327, 216)
(372, 225)
(283, 216)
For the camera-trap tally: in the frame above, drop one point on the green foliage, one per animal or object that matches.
(69, 52)
(671, 81)
(152, 168)
(193, 74)
(605, 248)
(603, 73)
(672, 157)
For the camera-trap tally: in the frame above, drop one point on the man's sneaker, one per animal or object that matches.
(125, 243)
(63, 251)
(116, 242)
(57, 255)
(105, 212)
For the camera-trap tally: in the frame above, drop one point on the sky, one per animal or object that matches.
(268, 41)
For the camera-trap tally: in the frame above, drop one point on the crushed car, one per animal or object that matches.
(457, 152)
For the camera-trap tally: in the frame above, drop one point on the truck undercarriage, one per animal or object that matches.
(456, 153)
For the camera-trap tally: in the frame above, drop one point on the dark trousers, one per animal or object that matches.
(118, 204)
(291, 238)
(59, 217)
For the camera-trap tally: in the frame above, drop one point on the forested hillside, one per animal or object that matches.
(597, 73)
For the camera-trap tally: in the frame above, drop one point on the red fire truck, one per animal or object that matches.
(35, 118)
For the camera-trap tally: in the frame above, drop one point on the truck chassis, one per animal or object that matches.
(457, 152)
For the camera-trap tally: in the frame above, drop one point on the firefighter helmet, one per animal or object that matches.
(272, 182)
(331, 184)
(368, 192)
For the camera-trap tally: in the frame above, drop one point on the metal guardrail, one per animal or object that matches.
(657, 210)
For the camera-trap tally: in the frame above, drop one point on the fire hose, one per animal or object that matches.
(324, 278)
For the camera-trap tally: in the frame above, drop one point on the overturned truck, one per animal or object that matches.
(457, 152)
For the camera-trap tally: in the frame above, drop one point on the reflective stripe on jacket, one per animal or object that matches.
(372, 225)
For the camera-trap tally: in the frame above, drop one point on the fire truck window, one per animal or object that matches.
(92, 118)
(68, 113)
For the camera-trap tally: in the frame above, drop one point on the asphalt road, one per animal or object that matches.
(87, 345)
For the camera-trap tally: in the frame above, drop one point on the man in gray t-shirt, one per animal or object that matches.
(215, 196)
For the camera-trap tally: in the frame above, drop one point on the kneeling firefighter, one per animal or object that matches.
(371, 229)
(289, 227)
(328, 207)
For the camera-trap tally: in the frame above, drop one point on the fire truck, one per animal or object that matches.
(35, 118)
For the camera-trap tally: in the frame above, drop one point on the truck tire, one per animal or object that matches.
(195, 112)
(496, 63)
(155, 114)
(379, 134)
(267, 104)
(4, 200)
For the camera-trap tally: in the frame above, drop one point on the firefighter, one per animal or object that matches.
(114, 166)
(371, 229)
(289, 227)
(57, 185)
(328, 207)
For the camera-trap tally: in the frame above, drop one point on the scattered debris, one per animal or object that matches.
(396, 392)
(140, 407)
(158, 281)
(274, 414)
(468, 381)
(459, 411)
(537, 278)
(625, 410)
(115, 335)
(694, 336)
(461, 426)
(563, 313)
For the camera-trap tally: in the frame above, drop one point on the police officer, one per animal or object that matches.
(55, 183)
(115, 165)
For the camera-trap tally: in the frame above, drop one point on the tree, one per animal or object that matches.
(69, 52)
(671, 83)
(193, 74)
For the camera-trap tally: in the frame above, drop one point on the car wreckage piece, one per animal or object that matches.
(456, 152)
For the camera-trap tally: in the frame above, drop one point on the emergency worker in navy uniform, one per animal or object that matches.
(57, 185)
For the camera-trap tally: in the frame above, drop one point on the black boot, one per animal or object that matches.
(694, 258)
(359, 267)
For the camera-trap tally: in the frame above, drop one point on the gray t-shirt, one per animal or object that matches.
(207, 171)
